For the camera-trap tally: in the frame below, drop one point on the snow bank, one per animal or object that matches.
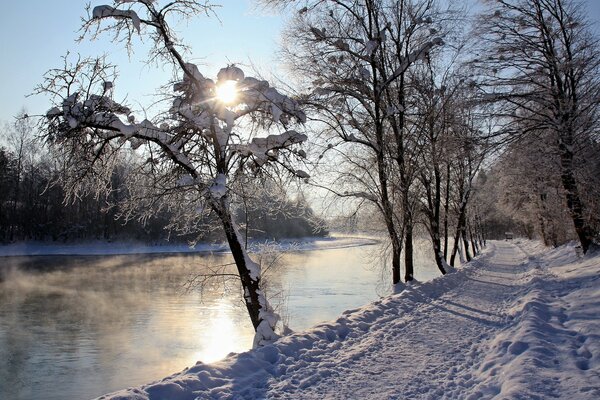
(534, 334)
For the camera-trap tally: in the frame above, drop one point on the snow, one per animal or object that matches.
(196, 104)
(370, 47)
(108, 11)
(302, 174)
(185, 180)
(265, 334)
(520, 321)
(230, 73)
(219, 187)
(415, 55)
(319, 34)
(264, 148)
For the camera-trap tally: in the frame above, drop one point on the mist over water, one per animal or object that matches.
(78, 327)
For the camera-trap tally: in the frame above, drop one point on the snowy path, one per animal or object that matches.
(521, 322)
(430, 351)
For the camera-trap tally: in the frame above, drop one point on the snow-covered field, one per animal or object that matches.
(121, 248)
(520, 322)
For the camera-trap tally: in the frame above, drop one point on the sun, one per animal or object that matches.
(227, 92)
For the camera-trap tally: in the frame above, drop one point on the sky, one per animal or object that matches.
(37, 33)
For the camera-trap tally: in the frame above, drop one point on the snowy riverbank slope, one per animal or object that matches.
(521, 321)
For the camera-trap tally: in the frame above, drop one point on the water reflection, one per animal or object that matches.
(78, 327)
(219, 333)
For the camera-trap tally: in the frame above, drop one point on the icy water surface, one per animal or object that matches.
(82, 326)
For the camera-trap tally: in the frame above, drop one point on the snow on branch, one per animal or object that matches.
(252, 95)
(362, 195)
(265, 149)
(101, 114)
(192, 147)
(200, 125)
(418, 54)
(108, 11)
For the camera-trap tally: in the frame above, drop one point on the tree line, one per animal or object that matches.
(389, 95)
(33, 206)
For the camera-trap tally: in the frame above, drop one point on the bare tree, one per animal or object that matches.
(20, 137)
(197, 150)
(353, 57)
(541, 65)
(433, 116)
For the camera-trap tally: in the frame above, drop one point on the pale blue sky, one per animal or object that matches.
(36, 33)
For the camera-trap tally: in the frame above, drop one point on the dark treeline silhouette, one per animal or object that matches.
(33, 207)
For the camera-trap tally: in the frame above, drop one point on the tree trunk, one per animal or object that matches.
(435, 224)
(409, 268)
(459, 229)
(576, 208)
(409, 265)
(396, 252)
(396, 241)
(473, 242)
(433, 214)
(446, 210)
(439, 260)
(463, 234)
(455, 245)
(250, 285)
(480, 235)
(387, 209)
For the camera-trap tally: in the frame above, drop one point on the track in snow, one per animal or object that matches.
(430, 351)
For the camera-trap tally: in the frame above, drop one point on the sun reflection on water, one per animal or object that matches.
(222, 334)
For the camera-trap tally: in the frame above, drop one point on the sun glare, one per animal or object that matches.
(227, 92)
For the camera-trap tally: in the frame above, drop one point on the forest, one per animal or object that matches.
(412, 114)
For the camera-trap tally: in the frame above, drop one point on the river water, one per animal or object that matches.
(81, 326)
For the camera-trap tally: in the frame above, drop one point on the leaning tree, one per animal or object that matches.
(196, 151)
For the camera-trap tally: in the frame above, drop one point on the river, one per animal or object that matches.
(82, 326)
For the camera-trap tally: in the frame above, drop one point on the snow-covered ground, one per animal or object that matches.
(520, 322)
(120, 248)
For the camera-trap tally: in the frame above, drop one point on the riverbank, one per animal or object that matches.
(521, 321)
(125, 248)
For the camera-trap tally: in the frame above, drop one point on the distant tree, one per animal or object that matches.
(20, 137)
(268, 212)
(197, 151)
(469, 160)
(438, 103)
(541, 66)
(524, 186)
(6, 164)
